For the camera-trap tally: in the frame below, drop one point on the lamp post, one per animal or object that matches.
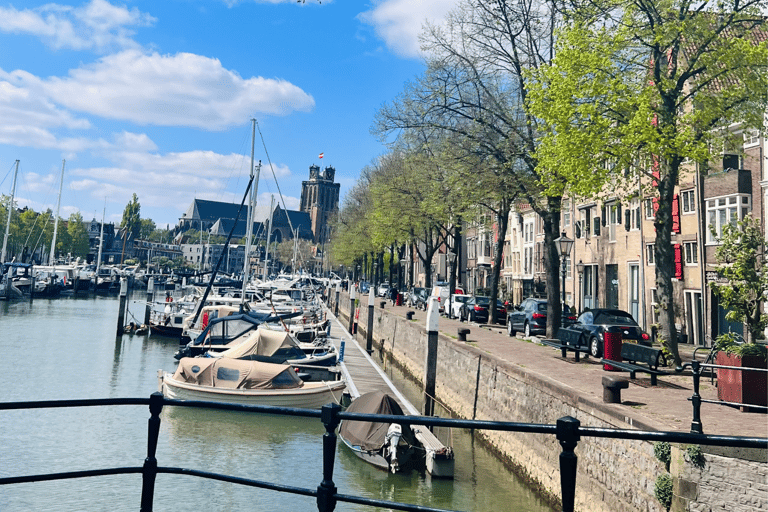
(580, 270)
(564, 246)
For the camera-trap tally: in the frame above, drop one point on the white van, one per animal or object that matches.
(442, 292)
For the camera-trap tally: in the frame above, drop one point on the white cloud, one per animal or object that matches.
(171, 90)
(399, 22)
(98, 25)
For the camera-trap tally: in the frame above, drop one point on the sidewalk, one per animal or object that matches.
(662, 407)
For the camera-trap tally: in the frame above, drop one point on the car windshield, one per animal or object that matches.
(482, 301)
(542, 307)
(460, 298)
(614, 318)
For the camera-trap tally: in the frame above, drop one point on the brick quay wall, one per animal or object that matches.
(614, 475)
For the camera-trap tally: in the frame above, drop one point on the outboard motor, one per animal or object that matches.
(394, 433)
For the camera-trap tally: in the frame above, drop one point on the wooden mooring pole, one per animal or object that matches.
(121, 311)
(430, 365)
(150, 299)
(352, 297)
(369, 332)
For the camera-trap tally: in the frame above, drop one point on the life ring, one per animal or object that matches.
(168, 298)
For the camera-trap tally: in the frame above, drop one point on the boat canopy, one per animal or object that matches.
(371, 435)
(266, 343)
(236, 374)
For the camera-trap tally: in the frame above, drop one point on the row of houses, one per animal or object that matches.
(612, 260)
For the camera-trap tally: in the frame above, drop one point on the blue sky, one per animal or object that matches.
(155, 98)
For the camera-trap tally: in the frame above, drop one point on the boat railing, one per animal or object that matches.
(567, 430)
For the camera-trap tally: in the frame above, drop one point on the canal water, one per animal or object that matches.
(66, 348)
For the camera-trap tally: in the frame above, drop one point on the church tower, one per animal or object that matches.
(320, 199)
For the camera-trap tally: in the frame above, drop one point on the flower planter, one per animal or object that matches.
(740, 386)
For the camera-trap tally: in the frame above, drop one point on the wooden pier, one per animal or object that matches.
(363, 375)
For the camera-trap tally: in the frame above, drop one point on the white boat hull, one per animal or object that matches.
(313, 395)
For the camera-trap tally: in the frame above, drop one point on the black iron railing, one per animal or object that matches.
(568, 432)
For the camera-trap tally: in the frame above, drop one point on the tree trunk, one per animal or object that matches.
(665, 258)
(553, 264)
(502, 219)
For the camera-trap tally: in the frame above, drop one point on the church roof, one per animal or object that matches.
(202, 209)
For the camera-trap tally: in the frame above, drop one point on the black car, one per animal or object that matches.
(530, 317)
(476, 310)
(593, 324)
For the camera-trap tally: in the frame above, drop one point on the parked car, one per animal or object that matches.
(457, 301)
(530, 317)
(476, 310)
(593, 324)
(417, 297)
(365, 286)
(383, 289)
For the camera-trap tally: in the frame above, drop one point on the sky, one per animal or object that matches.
(156, 98)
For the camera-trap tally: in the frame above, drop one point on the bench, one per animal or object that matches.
(567, 340)
(634, 353)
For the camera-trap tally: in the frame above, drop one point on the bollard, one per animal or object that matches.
(336, 302)
(150, 298)
(463, 331)
(121, 310)
(430, 365)
(369, 334)
(382, 304)
(352, 297)
(409, 315)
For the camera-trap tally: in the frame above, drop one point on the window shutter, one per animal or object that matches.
(604, 211)
(597, 227)
(627, 220)
(678, 261)
(577, 225)
(618, 212)
(676, 214)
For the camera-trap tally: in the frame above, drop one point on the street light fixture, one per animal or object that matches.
(564, 246)
(580, 270)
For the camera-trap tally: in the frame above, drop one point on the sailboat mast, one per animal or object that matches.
(10, 209)
(269, 235)
(251, 206)
(101, 240)
(56, 219)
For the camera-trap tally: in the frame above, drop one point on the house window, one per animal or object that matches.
(566, 209)
(614, 218)
(725, 210)
(650, 214)
(691, 253)
(688, 201)
(654, 306)
(650, 257)
(585, 222)
(634, 215)
(751, 138)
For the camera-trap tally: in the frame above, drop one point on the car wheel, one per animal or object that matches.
(527, 330)
(594, 347)
(510, 330)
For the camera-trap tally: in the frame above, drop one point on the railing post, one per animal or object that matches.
(696, 426)
(568, 436)
(150, 463)
(326, 491)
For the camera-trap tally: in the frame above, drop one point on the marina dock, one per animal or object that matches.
(363, 375)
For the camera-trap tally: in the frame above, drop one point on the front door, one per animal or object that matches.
(590, 287)
(634, 292)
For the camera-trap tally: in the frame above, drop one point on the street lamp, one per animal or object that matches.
(580, 270)
(564, 246)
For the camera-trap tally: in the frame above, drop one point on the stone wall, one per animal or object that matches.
(613, 475)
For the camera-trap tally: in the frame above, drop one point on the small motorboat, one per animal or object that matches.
(273, 346)
(389, 446)
(217, 379)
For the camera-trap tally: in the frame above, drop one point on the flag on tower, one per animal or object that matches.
(321, 155)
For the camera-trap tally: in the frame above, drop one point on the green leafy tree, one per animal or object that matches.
(131, 222)
(742, 262)
(646, 86)
(78, 236)
(147, 228)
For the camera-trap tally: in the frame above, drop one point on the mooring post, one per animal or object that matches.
(352, 296)
(336, 302)
(430, 365)
(149, 471)
(32, 286)
(568, 436)
(369, 332)
(121, 310)
(326, 491)
(150, 299)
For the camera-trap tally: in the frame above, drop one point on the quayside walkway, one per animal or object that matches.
(662, 407)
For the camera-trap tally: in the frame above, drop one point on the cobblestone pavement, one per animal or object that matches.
(662, 407)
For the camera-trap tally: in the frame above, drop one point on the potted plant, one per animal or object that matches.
(742, 262)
